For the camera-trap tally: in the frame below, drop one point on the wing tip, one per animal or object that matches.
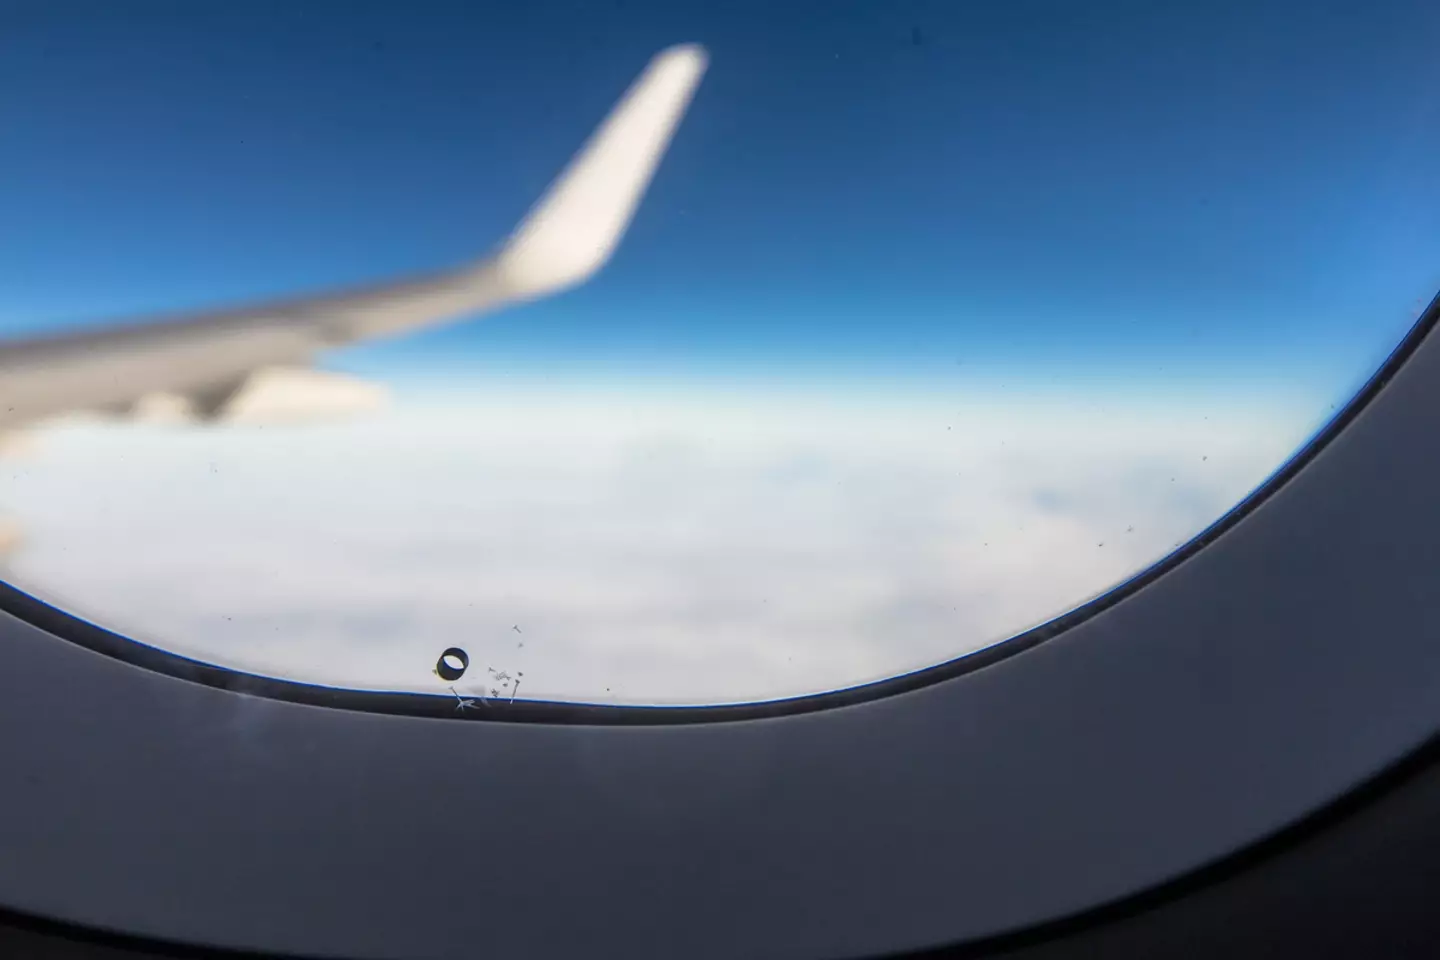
(692, 54)
(570, 234)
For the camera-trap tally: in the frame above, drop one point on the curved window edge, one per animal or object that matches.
(91, 636)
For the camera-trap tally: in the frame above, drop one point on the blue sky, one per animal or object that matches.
(1237, 197)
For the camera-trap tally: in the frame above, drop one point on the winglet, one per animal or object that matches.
(573, 230)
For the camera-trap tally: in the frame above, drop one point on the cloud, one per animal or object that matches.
(697, 547)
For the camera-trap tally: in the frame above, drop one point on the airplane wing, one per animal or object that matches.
(208, 360)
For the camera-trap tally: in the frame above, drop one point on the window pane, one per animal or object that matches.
(936, 322)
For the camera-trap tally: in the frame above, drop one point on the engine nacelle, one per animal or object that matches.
(269, 396)
(293, 395)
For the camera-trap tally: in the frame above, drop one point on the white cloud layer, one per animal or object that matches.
(676, 549)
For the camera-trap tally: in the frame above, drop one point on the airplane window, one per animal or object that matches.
(933, 321)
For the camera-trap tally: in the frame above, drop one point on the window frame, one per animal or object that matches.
(1271, 665)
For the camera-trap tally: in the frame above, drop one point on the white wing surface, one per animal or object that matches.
(208, 361)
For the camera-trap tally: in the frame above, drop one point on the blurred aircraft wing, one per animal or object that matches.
(208, 361)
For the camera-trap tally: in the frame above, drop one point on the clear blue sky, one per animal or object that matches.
(1241, 192)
